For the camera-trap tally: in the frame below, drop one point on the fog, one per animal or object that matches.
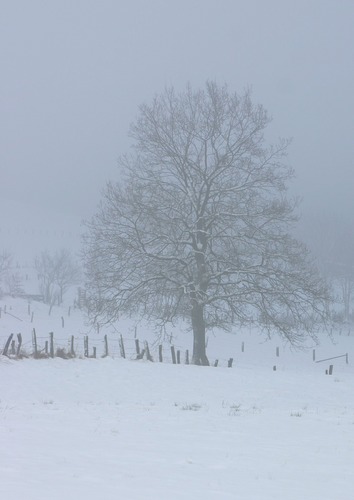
(74, 73)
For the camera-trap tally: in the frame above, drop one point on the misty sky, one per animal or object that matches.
(73, 73)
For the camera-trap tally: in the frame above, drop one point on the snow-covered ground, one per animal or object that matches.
(119, 428)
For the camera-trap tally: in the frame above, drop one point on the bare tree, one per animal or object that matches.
(199, 227)
(56, 273)
(5, 266)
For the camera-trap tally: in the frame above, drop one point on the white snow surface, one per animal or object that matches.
(113, 428)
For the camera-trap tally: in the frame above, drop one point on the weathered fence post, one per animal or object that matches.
(105, 346)
(7, 345)
(178, 357)
(187, 357)
(19, 343)
(160, 354)
(346, 358)
(147, 350)
(277, 352)
(243, 347)
(94, 352)
(330, 371)
(137, 347)
(229, 363)
(216, 363)
(86, 346)
(13, 349)
(72, 350)
(173, 353)
(34, 342)
(314, 355)
(46, 347)
(121, 347)
(51, 340)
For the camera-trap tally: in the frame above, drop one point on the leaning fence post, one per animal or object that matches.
(147, 350)
(7, 345)
(121, 347)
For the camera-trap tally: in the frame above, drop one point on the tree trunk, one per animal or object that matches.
(198, 324)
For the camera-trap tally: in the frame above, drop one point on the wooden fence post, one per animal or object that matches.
(137, 347)
(13, 349)
(187, 357)
(277, 352)
(160, 354)
(330, 371)
(229, 363)
(216, 363)
(7, 345)
(243, 347)
(34, 342)
(86, 346)
(173, 353)
(72, 350)
(62, 321)
(19, 343)
(314, 355)
(121, 347)
(178, 357)
(105, 346)
(51, 339)
(94, 352)
(147, 350)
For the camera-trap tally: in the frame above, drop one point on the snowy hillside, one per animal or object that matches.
(121, 428)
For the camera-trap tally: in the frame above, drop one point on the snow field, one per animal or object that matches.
(114, 428)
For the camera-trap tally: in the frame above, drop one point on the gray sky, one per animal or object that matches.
(74, 71)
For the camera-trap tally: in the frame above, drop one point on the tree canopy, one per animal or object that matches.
(200, 226)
